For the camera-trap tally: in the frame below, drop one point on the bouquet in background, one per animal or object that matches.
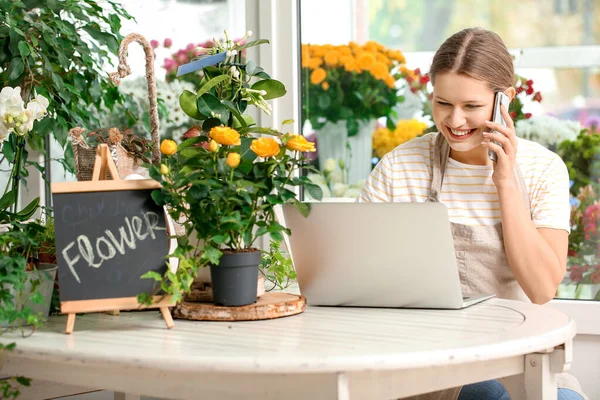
(385, 140)
(349, 83)
(547, 130)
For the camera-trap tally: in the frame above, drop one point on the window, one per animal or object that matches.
(555, 44)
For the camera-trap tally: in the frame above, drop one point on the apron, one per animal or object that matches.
(482, 263)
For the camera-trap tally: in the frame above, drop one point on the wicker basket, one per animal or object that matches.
(85, 153)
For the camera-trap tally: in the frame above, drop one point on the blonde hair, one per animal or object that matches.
(478, 53)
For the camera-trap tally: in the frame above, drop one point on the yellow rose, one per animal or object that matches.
(213, 146)
(225, 135)
(265, 147)
(168, 147)
(164, 170)
(299, 143)
(233, 160)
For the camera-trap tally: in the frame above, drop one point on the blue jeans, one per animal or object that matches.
(493, 390)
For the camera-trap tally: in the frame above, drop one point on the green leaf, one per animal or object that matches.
(7, 200)
(211, 107)
(352, 125)
(211, 84)
(158, 197)
(187, 102)
(24, 49)
(29, 210)
(273, 87)
(152, 275)
(287, 121)
(191, 141)
(212, 254)
(219, 239)
(303, 208)
(315, 191)
(253, 43)
(211, 123)
(23, 381)
(15, 69)
(250, 67)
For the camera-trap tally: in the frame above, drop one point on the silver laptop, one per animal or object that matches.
(376, 255)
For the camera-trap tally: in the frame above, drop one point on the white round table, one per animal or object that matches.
(323, 353)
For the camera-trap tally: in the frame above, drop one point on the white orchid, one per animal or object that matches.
(14, 117)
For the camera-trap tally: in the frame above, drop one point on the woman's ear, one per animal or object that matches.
(511, 92)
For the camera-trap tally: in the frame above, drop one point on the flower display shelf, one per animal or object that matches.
(270, 305)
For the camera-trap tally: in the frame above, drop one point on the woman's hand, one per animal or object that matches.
(504, 167)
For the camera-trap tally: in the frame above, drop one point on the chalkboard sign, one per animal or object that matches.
(106, 241)
(108, 234)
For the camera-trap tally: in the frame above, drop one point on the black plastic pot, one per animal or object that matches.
(235, 279)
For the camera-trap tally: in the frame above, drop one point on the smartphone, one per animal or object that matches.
(500, 98)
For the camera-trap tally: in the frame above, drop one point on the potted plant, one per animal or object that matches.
(347, 88)
(20, 237)
(223, 182)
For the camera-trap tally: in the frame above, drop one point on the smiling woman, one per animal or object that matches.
(510, 218)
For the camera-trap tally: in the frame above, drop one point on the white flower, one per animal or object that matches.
(317, 179)
(11, 101)
(330, 165)
(3, 132)
(547, 130)
(338, 189)
(336, 176)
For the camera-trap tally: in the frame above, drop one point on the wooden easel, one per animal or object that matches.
(103, 164)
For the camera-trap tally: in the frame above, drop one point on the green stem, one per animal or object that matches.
(16, 175)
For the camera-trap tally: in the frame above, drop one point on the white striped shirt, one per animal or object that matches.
(405, 174)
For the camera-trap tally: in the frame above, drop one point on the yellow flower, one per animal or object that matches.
(164, 170)
(366, 60)
(385, 140)
(325, 86)
(168, 147)
(314, 63)
(299, 143)
(213, 146)
(265, 147)
(225, 135)
(233, 160)
(318, 76)
(332, 58)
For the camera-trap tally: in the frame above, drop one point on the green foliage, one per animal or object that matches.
(277, 266)
(9, 387)
(57, 49)
(582, 157)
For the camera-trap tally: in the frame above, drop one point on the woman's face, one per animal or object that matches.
(461, 105)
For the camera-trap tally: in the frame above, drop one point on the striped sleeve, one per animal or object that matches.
(550, 206)
(379, 186)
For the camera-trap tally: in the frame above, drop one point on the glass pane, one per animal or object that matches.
(422, 25)
(555, 105)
